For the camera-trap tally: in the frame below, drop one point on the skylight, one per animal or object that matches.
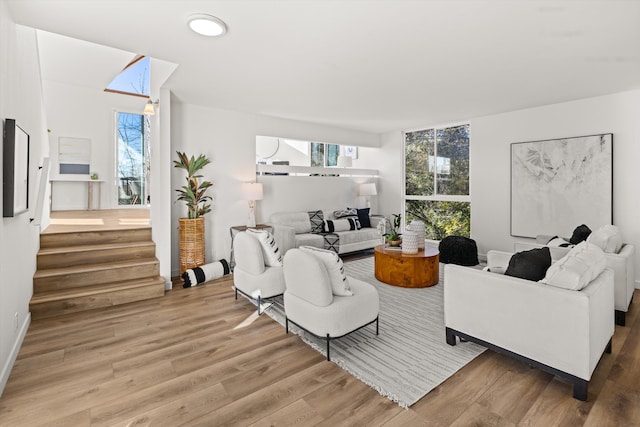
(134, 79)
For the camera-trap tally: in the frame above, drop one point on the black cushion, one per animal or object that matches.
(580, 234)
(458, 250)
(530, 265)
(363, 216)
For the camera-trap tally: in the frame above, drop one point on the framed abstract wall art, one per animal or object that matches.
(558, 184)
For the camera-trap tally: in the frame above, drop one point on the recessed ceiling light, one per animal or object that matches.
(206, 25)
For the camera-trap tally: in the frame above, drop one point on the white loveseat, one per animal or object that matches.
(620, 261)
(561, 331)
(293, 229)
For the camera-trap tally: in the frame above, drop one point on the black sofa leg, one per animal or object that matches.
(607, 349)
(621, 318)
(236, 294)
(286, 324)
(580, 389)
(377, 329)
(451, 337)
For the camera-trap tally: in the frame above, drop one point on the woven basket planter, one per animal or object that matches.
(191, 243)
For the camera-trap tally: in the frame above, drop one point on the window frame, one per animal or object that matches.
(435, 196)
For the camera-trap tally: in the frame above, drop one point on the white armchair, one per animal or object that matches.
(310, 304)
(561, 331)
(622, 264)
(251, 276)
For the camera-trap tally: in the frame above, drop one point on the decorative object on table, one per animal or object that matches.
(393, 236)
(193, 194)
(410, 241)
(94, 176)
(418, 227)
(368, 189)
(560, 182)
(458, 250)
(252, 191)
(205, 273)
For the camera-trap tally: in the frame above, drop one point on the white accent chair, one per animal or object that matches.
(310, 304)
(563, 332)
(622, 264)
(251, 276)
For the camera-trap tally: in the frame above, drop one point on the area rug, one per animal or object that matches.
(410, 356)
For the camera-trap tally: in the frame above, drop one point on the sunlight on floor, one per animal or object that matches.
(133, 221)
(249, 320)
(77, 221)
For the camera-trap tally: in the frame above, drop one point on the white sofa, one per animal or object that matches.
(561, 331)
(293, 229)
(622, 264)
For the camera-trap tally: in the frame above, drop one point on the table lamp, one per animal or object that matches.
(368, 189)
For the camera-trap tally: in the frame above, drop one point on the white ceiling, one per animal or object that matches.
(376, 65)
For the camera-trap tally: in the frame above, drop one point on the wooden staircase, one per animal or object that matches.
(83, 268)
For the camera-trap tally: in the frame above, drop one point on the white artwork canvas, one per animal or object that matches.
(558, 184)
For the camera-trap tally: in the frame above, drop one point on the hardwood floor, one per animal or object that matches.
(197, 357)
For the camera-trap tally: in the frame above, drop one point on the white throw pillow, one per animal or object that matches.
(272, 256)
(578, 268)
(335, 269)
(606, 238)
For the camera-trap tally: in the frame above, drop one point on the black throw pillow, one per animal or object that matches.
(363, 216)
(580, 234)
(530, 265)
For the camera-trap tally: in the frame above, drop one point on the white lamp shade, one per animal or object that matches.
(148, 108)
(368, 189)
(344, 162)
(252, 191)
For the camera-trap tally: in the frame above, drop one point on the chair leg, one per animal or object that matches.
(259, 302)
(377, 326)
(236, 293)
(328, 341)
(607, 349)
(621, 318)
(286, 324)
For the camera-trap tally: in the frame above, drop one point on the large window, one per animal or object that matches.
(437, 180)
(132, 158)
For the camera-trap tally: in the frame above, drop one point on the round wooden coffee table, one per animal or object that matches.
(409, 271)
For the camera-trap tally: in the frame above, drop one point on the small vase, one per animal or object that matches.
(410, 242)
(418, 227)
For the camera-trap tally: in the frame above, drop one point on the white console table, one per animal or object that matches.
(90, 184)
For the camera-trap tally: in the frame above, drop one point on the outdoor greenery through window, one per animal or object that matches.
(437, 180)
(132, 131)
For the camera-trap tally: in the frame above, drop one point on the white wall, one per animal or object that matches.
(490, 152)
(85, 112)
(491, 137)
(20, 99)
(228, 138)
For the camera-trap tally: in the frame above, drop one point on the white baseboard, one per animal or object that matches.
(6, 369)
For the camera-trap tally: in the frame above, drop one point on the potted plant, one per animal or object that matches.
(194, 195)
(394, 238)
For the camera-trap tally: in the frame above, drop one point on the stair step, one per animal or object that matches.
(80, 238)
(93, 274)
(108, 252)
(65, 301)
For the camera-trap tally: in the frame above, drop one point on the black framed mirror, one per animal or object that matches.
(15, 170)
